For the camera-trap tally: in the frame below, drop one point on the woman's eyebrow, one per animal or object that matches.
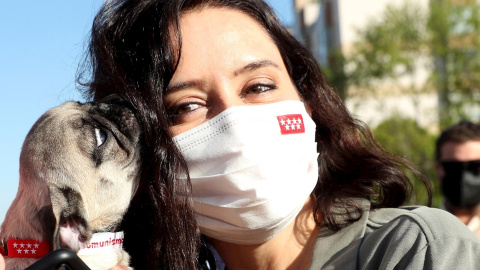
(183, 85)
(255, 65)
(249, 67)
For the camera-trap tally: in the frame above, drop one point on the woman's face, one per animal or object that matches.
(227, 59)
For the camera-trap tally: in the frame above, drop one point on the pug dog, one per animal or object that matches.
(79, 169)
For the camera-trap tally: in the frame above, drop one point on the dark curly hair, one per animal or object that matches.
(134, 51)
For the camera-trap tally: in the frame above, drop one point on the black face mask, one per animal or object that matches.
(461, 184)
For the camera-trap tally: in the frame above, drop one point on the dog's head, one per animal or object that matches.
(87, 158)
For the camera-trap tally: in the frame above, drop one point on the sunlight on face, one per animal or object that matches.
(227, 59)
(452, 151)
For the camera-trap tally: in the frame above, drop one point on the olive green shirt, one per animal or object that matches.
(399, 238)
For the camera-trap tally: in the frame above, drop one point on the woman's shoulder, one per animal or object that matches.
(419, 238)
(433, 224)
(400, 238)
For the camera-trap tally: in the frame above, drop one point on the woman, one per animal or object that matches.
(310, 188)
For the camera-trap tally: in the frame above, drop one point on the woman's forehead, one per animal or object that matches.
(224, 34)
(214, 19)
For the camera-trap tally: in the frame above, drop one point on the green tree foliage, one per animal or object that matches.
(393, 47)
(335, 73)
(443, 40)
(405, 138)
(454, 30)
(388, 48)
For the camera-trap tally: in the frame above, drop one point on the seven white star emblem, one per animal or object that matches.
(30, 250)
(291, 124)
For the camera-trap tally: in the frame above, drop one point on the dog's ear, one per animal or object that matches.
(72, 230)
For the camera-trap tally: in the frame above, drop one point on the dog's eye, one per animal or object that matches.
(100, 136)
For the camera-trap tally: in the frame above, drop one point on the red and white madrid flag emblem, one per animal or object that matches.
(291, 124)
(27, 248)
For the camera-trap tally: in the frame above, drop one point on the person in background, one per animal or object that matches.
(240, 124)
(457, 156)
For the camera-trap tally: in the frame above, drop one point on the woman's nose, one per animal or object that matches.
(225, 96)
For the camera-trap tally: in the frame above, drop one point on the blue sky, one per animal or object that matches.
(42, 43)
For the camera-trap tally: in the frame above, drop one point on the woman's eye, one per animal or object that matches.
(183, 109)
(100, 136)
(260, 88)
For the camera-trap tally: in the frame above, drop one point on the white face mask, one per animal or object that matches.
(252, 169)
